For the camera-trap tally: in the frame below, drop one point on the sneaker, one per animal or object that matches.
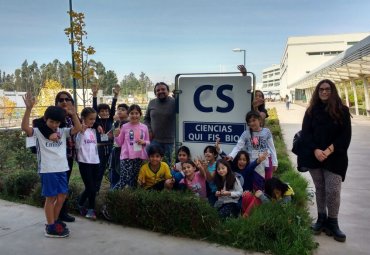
(105, 213)
(82, 210)
(91, 214)
(58, 221)
(56, 231)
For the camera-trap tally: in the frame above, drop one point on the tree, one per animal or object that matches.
(83, 71)
(110, 80)
(7, 107)
(47, 96)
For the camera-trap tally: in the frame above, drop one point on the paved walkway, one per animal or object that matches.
(354, 214)
(21, 232)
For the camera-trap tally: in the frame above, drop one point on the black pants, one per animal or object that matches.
(104, 154)
(89, 175)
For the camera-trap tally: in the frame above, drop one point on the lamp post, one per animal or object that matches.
(240, 50)
(73, 61)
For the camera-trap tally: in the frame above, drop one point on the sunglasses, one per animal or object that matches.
(61, 100)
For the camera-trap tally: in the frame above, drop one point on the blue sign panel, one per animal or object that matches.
(208, 132)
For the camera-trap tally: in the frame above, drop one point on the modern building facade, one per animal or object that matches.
(303, 54)
(271, 81)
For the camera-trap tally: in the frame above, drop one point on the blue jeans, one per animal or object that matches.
(167, 149)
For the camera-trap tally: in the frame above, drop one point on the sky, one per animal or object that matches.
(165, 37)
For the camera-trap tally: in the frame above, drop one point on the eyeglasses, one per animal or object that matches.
(64, 99)
(322, 90)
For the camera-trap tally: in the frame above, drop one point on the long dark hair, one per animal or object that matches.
(230, 177)
(63, 93)
(334, 104)
(237, 157)
(275, 183)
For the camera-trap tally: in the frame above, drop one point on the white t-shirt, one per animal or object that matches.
(52, 156)
(87, 148)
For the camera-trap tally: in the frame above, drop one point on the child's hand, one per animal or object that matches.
(71, 110)
(228, 158)
(140, 142)
(141, 182)
(258, 193)
(218, 194)
(29, 100)
(116, 90)
(54, 137)
(225, 193)
(95, 89)
(116, 132)
(262, 156)
(242, 69)
(217, 145)
(100, 130)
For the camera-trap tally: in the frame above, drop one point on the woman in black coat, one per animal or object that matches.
(326, 135)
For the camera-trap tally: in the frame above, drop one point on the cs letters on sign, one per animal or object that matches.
(220, 95)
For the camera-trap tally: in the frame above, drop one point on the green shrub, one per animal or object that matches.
(35, 198)
(172, 213)
(272, 228)
(21, 183)
(13, 153)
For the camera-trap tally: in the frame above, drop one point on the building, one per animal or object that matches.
(305, 53)
(271, 82)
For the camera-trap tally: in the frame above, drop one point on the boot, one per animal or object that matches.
(320, 224)
(332, 229)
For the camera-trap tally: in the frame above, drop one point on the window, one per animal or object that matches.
(351, 43)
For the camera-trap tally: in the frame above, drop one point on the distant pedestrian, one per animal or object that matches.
(287, 102)
(326, 135)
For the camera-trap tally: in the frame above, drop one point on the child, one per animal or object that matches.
(132, 138)
(210, 155)
(257, 140)
(52, 162)
(114, 161)
(88, 162)
(228, 191)
(155, 175)
(244, 169)
(104, 121)
(195, 180)
(183, 155)
(275, 190)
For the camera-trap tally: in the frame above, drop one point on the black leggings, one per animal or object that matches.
(89, 175)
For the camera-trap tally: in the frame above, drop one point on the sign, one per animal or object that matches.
(204, 132)
(211, 107)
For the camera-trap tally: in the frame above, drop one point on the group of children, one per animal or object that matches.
(233, 184)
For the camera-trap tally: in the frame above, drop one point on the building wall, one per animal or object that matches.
(306, 53)
(271, 80)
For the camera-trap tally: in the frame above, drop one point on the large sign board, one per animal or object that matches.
(212, 107)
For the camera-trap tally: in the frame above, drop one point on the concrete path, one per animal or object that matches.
(22, 232)
(354, 213)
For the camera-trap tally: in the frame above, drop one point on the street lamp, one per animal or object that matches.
(240, 50)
